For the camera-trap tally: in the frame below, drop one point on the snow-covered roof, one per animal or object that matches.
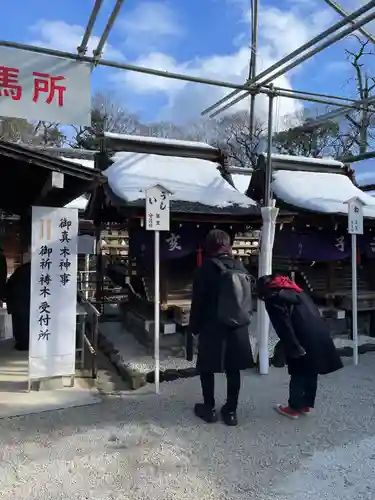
(319, 192)
(328, 161)
(79, 161)
(158, 140)
(241, 181)
(80, 203)
(190, 179)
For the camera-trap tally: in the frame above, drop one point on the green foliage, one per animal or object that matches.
(36, 134)
(305, 140)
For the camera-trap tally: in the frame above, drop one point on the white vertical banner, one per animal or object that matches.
(269, 216)
(53, 293)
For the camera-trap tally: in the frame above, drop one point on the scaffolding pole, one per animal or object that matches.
(302, 59)
(313, 94)
(297, 52)
(111, 21)
(343, 13)
(166, 74)
(331, 115)
(124, 66)
(82, 49)
(253, 63)
(308, 98)
(269, 215)
(268, 172)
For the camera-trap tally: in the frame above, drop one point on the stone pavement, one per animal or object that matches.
(143, 446)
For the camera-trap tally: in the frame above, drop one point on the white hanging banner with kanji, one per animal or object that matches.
(43, 87)
(53, 292)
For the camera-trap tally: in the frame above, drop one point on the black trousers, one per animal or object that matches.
(233, 389)
(20, 325)
(302, 391)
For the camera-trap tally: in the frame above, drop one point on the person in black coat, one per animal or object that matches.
(220, 349)
(304, 337)
(3, 274)
(17, 294)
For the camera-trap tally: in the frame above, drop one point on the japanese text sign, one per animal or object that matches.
(44, 87)
(53, 294)
(157, 209)
(355, 216)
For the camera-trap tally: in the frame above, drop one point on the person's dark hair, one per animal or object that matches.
(262, 285)
(218, 242)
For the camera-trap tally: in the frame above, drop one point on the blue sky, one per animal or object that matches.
(203, 37)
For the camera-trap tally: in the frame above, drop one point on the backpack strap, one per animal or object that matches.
(220, 265)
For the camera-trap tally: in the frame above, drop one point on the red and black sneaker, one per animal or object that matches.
(287, 412)
(306, 411)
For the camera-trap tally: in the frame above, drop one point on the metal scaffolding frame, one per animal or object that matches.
(339, 101)
(298, 61)
(97, 53)
(311, 43)
(111, 21)
(331, 115)
(253, 60)
(257, 84)
(335, 6)
(265, 87)
(82, 49)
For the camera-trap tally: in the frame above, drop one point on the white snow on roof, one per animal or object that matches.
(80, 203)
(306, 159)
(79, 161)
(190, 179)
(158, 140)
(241, 182)
(319, 192)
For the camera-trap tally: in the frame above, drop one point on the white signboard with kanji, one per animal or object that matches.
(53, 292)
(43, 87)
(157, 208)
(355, 216)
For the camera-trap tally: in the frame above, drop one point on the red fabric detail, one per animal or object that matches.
(199, 257)
(284, 282)
(287, 411)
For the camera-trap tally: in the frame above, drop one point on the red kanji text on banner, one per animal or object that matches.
(44, 87)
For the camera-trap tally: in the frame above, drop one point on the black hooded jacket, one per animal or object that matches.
(219, 349)
(3, 274)
(17, 290)
(303, 333)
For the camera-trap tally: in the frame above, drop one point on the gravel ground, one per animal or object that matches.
(134, 356)
(143, 446)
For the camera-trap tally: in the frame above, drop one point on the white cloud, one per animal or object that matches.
(148, 84)
(149, 26)
(60, 35)
(284, 31)
(281, 31)
(151, 19)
